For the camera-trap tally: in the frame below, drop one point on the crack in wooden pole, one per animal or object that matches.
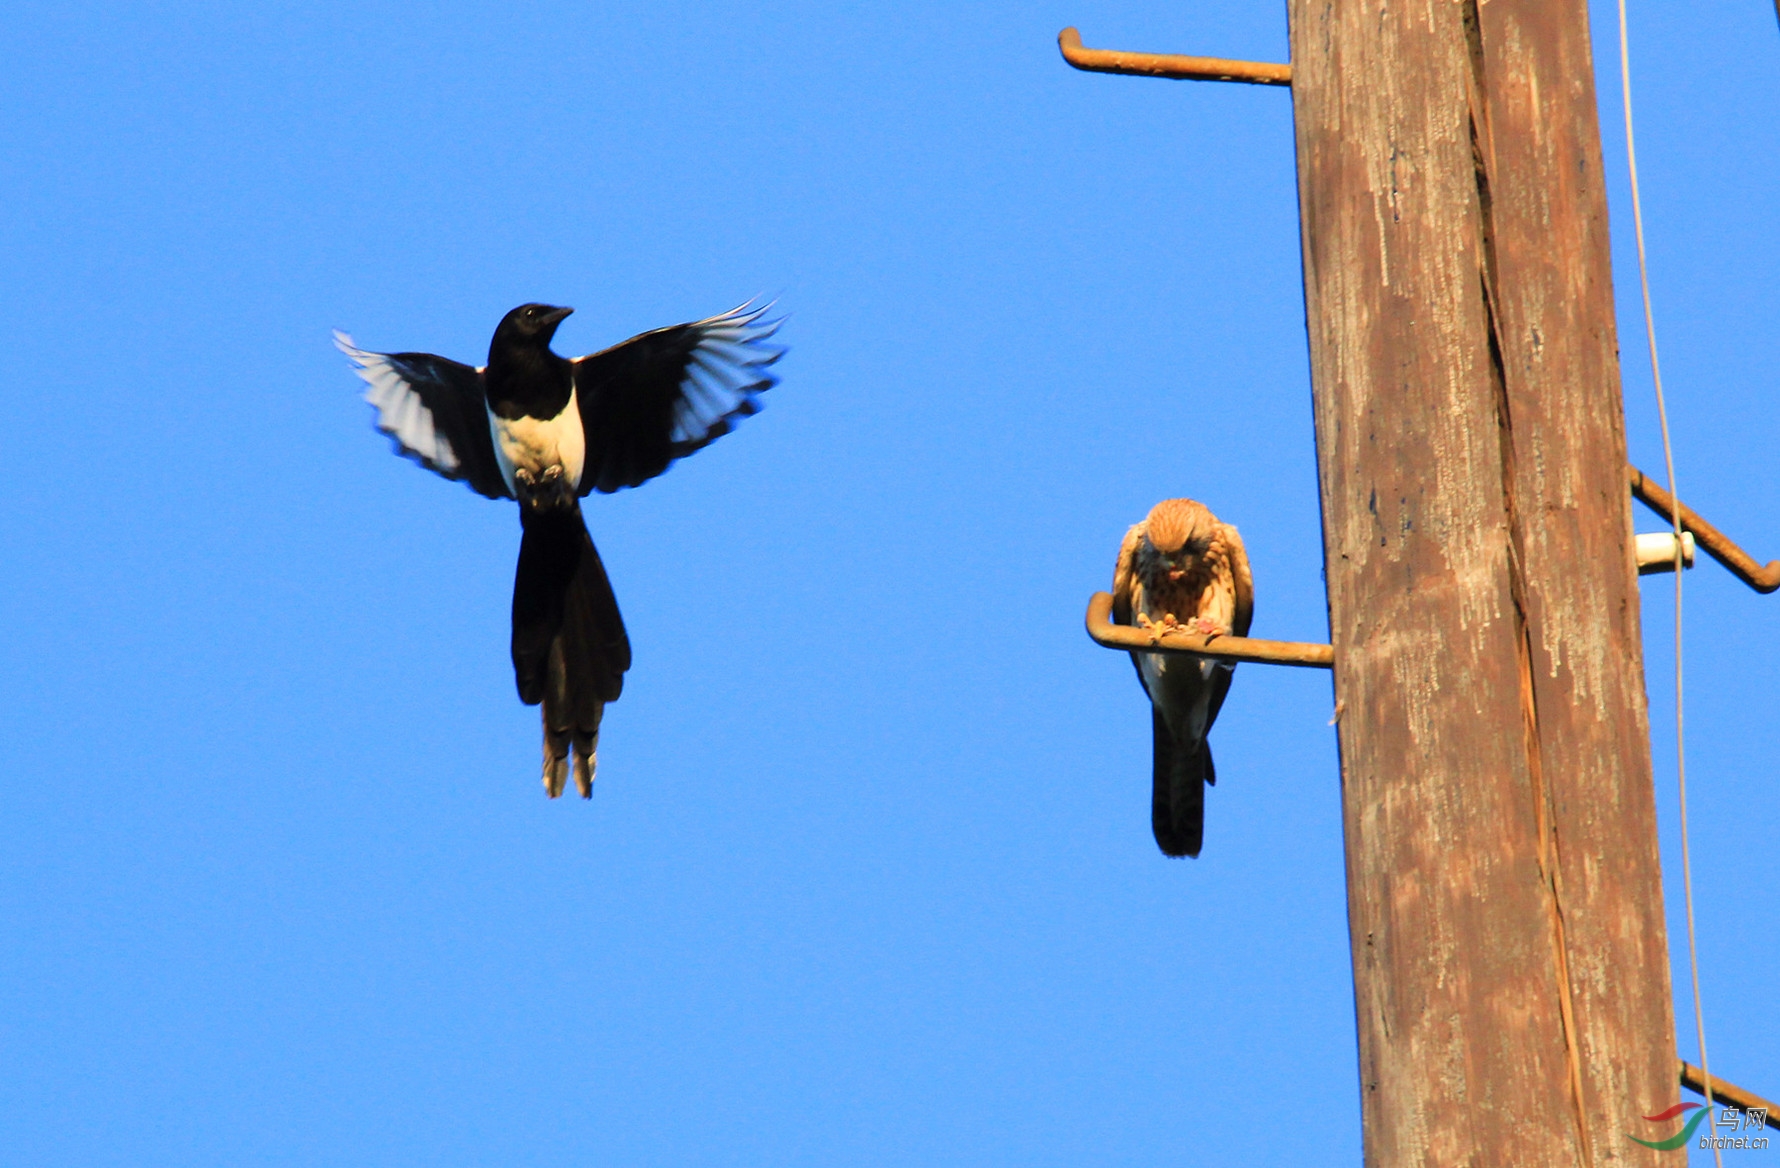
(1505, 904)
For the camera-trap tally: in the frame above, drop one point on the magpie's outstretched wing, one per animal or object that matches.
(433, 409)
(664, 394)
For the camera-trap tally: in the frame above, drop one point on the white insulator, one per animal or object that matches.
(1656, 552)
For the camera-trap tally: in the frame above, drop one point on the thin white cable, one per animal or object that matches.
(1662, 413)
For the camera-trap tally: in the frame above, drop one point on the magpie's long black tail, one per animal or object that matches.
(1177, 790)
(569, 646)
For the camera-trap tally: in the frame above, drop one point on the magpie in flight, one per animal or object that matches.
(545, 430)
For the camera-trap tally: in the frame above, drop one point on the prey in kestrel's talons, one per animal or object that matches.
(545, 431)
(1181, 570)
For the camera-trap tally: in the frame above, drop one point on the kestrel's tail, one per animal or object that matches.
(570, 650)
(1177, 791)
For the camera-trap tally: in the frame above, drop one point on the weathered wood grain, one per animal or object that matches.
(1509, 956)
(1539, 150)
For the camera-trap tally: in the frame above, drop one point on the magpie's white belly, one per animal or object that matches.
(534, 445)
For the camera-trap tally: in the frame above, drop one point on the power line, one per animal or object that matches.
(1662, 413)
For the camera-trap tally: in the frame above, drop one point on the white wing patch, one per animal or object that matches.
(726, 369)
(400, 412)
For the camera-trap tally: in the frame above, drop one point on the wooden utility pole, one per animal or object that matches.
(1504, 897)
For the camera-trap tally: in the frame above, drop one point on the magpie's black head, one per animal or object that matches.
(530, 324)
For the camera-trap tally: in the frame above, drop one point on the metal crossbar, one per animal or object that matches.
(1169, 65)
(1302, 653)
(1717, 544)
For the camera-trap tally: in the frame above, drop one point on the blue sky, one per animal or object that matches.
(867, 877)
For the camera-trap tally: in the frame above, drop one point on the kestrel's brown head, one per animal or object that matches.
(1178, 533)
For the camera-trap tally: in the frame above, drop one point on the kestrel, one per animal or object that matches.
(1180, 570)
(546, 431)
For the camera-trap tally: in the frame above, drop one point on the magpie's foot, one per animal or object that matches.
(543, 490)
(586, 761)
(556, 762)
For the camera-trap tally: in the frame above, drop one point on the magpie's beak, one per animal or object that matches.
(555, 315)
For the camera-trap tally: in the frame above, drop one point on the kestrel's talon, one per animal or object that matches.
(1167, 626)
